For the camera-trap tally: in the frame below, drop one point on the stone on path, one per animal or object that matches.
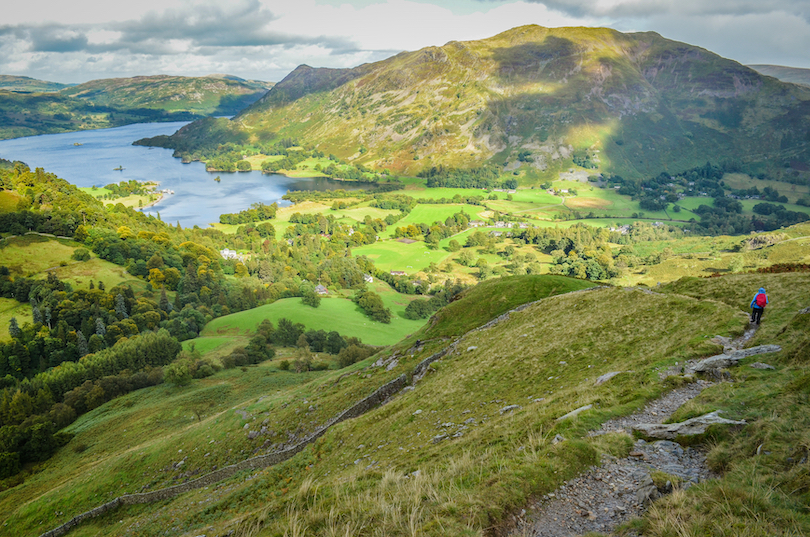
(670, 431)
(722, 361)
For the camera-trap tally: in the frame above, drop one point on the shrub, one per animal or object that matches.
(81, 254)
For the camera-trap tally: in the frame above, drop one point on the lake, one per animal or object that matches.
(197, 199)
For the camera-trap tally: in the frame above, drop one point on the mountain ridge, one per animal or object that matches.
(639, 103)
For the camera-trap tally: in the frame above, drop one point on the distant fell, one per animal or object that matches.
(785, 74)
(208, 95)
(540, 99)
(97, 104)
(25, 84)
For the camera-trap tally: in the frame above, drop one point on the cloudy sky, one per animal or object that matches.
(77, 41)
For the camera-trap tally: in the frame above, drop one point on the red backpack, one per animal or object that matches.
(761, 300)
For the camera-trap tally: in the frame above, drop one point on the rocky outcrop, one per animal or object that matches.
(690, 427)
(726, 360)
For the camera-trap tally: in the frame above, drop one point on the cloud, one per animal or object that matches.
(681, 8)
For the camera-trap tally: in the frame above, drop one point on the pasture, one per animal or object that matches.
(11, 308)
(334, 313)
(411, 258)
(33, 256)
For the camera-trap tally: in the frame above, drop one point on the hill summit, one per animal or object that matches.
(633, 104)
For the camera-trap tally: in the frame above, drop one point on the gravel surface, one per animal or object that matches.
(615, 492)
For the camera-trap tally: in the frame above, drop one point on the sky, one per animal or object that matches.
(73, 42)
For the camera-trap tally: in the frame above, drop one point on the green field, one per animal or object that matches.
(394, 255)
(11, 308)
(429, 214)
(334, 313)
(133, 200)
(742, 181)
(33, 256)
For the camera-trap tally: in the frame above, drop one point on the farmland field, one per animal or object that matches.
(394, 255)
(339, 314)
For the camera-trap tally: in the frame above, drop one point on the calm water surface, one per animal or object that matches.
(197, 199)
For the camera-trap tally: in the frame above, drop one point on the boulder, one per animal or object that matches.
(722, 361)
(671, 431)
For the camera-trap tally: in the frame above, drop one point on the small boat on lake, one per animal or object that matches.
(118, 169)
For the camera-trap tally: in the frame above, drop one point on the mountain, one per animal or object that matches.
(26, 84)
(785, 74)
(213, 95)
(121, 101)
(539, 98)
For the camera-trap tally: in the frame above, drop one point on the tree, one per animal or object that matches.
(14, 329)
(241, 270)
(466, 258)
(121, 307)
(311, 298)
(81, 254)
(81, 343)
(373, 306)
(418, 309)
(164, 301)
(177, 373)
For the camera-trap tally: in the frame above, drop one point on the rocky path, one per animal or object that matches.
(621, 488)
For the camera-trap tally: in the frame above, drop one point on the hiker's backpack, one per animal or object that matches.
(761, 300)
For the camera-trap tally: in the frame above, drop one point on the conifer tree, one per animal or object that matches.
(164, 300)
(101, 330)
(121, 307)
(81, 343)
(13, 329)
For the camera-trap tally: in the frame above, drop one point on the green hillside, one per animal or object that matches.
(445, 458)
(215, 95)
(29, 85)
(114, 102)
(536, 100)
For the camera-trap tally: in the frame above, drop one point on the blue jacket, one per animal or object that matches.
(754, 301)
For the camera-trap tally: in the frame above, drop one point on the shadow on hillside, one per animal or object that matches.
(548, 61)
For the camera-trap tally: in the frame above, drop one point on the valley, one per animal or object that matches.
(431, 295)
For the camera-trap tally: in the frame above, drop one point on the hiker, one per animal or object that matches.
(758, 305)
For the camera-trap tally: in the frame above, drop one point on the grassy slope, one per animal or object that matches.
(491, 298)
(465, 484)
(334, 313)
(199, 95)
(359, 478)
(32, 256)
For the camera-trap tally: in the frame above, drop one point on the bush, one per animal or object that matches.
(353, 354)
(81, 254)
(418, 309)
